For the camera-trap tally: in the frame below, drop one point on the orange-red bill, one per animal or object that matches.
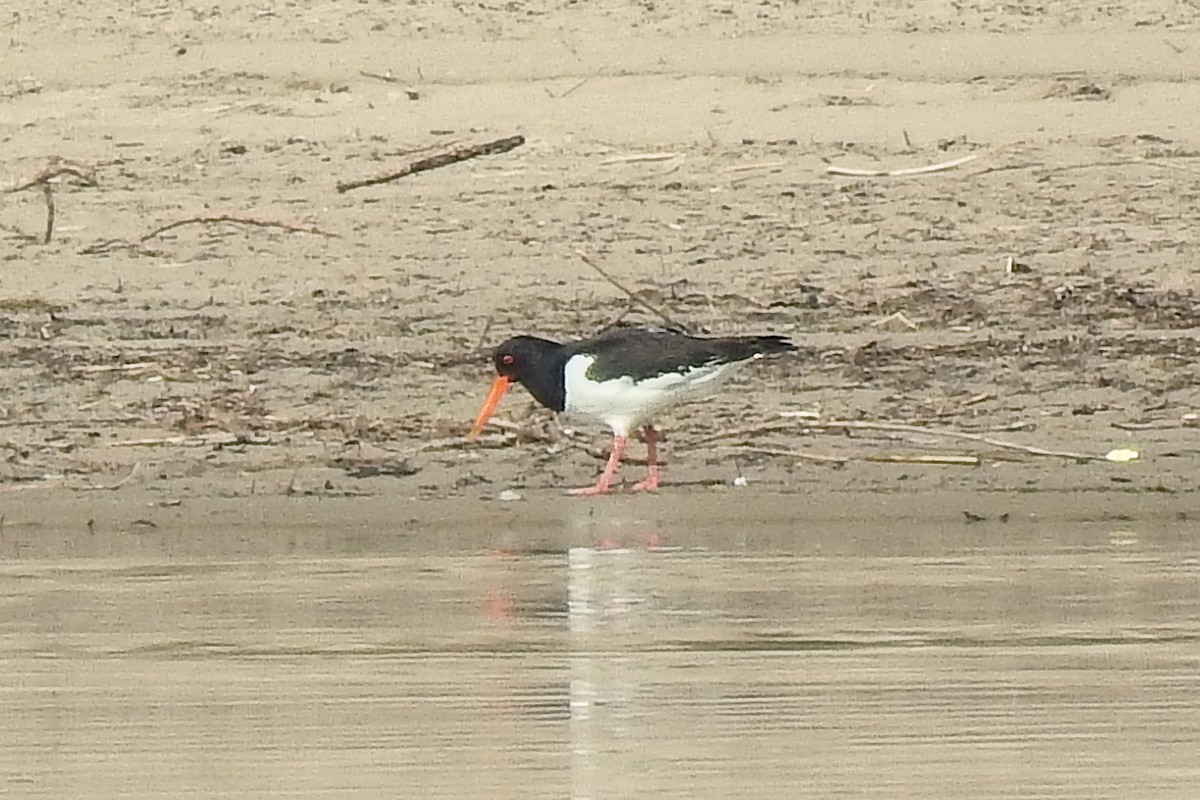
(499, 387)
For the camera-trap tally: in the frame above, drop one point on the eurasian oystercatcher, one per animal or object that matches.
(623, 377)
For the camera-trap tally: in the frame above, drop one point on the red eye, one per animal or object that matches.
(507, 360)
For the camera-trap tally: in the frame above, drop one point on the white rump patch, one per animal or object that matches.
(625, 404)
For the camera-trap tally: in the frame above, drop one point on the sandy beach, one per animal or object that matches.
(1042, 295)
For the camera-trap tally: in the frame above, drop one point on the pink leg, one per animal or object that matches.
(653, 474)
(610, 469)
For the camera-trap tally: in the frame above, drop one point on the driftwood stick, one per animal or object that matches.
(235, 220)
(439, 160)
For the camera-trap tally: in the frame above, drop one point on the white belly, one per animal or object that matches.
(625, 404)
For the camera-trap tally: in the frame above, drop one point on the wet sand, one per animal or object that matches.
(1044, 293)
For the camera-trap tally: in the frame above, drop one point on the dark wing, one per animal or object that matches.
(642, 353)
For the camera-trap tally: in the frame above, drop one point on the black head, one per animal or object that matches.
(535, 363)
(523, 355)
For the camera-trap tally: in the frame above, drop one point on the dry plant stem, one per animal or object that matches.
(49, 483)
(48, 190)
(744, 433)
(951, 460)
(56, 169)
(638, 158)
(378, 76)
(134, 472)
(235, 220)
(1129, 162)
(832, 169)
(74, 423)
(974, 437)
(105, 246)
(487, 328)
(1147, 426)
(575, 87)
(901, 428)
(898, 316)
(778, 451)
(203, 440)
(439, 160)
(755, 167)
(658, 312)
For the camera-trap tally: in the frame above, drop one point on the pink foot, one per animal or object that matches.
(610, 469)
(653, 473)
(649, 485)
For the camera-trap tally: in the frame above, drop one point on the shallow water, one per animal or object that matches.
(613, 657)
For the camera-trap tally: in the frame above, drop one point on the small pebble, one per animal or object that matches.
(740, 480)
(508, 495)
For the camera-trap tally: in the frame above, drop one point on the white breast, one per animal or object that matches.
(624, 404)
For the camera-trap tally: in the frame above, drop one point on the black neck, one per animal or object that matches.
(543, 374)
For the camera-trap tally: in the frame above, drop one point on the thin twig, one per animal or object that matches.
(1161, 425)
(70, 422)
(413, 94)
(137, 366)
(951, 460)
(775, 427)
(487, 328)
(974, 437)
(1174, 166)
(44, 483)
(634, 297)
(754, 167)
(48, 191)
(777, 451)
(440, 160)
(379, 76)
(57, 168)
(901, 428)
(46, 179)
(1048, 170)
(255, 223)
(745, 433)
(638, 158)
(204, 440)
(134, 472)
(105, 246)
(891, 458)
(615, 321)
(571, 90)
(832, 169)
(898, 316)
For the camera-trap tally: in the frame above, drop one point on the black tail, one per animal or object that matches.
(773, 344)
(740, 348)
